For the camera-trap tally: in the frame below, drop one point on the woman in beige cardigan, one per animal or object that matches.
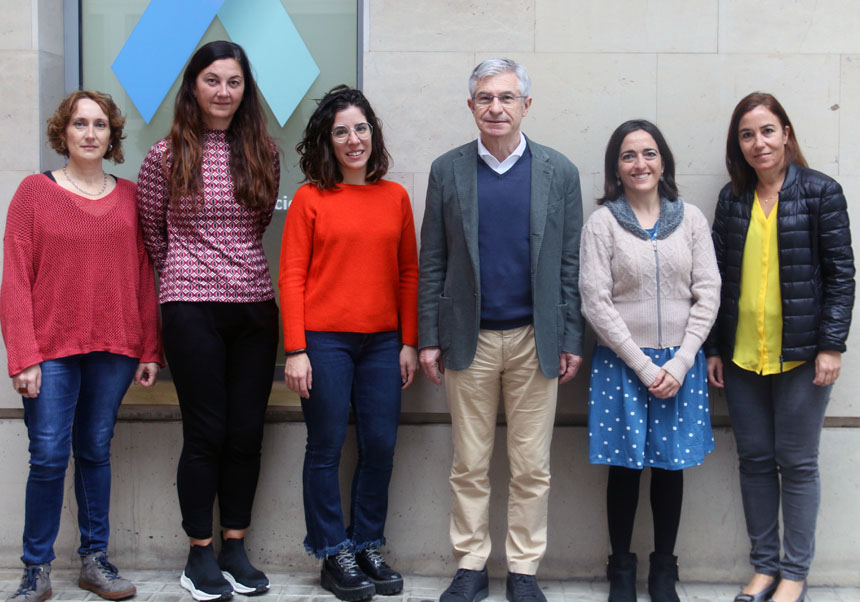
(650, 290)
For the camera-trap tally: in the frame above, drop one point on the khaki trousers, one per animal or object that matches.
(506, 366)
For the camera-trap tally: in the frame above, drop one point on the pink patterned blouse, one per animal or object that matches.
(204, 252)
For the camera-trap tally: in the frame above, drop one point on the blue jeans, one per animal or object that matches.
(777, 421)
(361, 371)
(76, 408)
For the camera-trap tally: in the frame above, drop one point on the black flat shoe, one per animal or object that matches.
(763, 596)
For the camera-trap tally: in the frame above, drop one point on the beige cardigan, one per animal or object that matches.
(621, 292)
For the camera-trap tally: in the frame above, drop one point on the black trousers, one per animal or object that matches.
(222, 358)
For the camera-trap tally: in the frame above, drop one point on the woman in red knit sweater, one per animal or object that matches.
(348, 283)
(206, 195)
(80, 321)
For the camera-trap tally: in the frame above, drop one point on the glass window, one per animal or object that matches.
(329, 29)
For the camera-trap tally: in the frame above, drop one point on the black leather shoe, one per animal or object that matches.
(523, 588)
(341, 576)
(386, 580)
(467, 586)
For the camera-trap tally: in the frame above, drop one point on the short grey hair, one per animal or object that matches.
(498, 66)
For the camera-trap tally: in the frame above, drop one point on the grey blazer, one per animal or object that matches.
(449, 280)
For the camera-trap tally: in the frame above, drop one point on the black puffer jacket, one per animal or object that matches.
(816, 265)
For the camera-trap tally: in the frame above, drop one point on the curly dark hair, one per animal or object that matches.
(318, 162)
(612, 189)
(251, 148)
(741, 173)
(59, 121)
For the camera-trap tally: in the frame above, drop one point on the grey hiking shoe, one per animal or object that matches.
(101, 577)
(35, 584)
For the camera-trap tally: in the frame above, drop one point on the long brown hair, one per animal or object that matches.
(251, 148)
(742, 174)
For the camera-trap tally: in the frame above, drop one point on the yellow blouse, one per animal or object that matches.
(758, 343)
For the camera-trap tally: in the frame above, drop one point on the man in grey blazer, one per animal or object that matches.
(498, 314)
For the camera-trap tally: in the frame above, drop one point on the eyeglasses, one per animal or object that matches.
(362, 130)
(485, 100)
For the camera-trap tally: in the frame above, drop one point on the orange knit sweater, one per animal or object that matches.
(349, 262)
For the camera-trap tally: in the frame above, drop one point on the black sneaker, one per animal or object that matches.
(202, 577)
(386, 580)
(238, 570)
(341, 576)
(523, 588)
(467, 586)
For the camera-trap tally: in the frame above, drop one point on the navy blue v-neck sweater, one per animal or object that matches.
(504, 201)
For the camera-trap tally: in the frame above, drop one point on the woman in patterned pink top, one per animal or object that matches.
(206, 194)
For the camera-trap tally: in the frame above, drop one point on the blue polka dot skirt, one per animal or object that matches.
(627, 426)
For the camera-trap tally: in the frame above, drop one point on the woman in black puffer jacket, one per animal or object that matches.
(783, 247)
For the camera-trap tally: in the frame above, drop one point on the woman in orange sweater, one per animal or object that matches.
(348, 284)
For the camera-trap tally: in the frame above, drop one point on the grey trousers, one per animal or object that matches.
(777, 421)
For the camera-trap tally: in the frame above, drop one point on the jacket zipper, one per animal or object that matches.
(659, 313)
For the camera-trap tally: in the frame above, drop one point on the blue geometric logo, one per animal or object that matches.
(169, 30)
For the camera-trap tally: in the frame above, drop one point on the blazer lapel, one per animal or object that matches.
(466, 185)
(542, 172)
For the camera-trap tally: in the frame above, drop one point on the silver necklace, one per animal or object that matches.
(79, 189)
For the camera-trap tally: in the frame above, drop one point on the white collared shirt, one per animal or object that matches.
(509, 161)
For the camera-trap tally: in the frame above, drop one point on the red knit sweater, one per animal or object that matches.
(349, 262)
(76, 276)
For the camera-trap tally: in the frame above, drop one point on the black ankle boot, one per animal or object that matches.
(662, 578)
(621, 572)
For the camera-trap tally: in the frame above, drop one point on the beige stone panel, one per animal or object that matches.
(701, 191)
(19, 136)
(780, 26)
(626, 26)
(579, 99)
(697, 94)
(451, 25)
(16, 24)
(146, 532)
(592, 189)
(849, 117)
(421, 98)
(50, 32)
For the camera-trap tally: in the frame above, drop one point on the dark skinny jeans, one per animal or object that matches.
(777, 421)
(222, 358)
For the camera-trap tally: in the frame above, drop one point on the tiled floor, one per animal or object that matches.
(163, 586)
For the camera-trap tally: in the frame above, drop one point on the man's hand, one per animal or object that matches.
(430, 359)
(568, 366)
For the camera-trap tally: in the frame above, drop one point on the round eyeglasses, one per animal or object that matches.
(362, 130)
